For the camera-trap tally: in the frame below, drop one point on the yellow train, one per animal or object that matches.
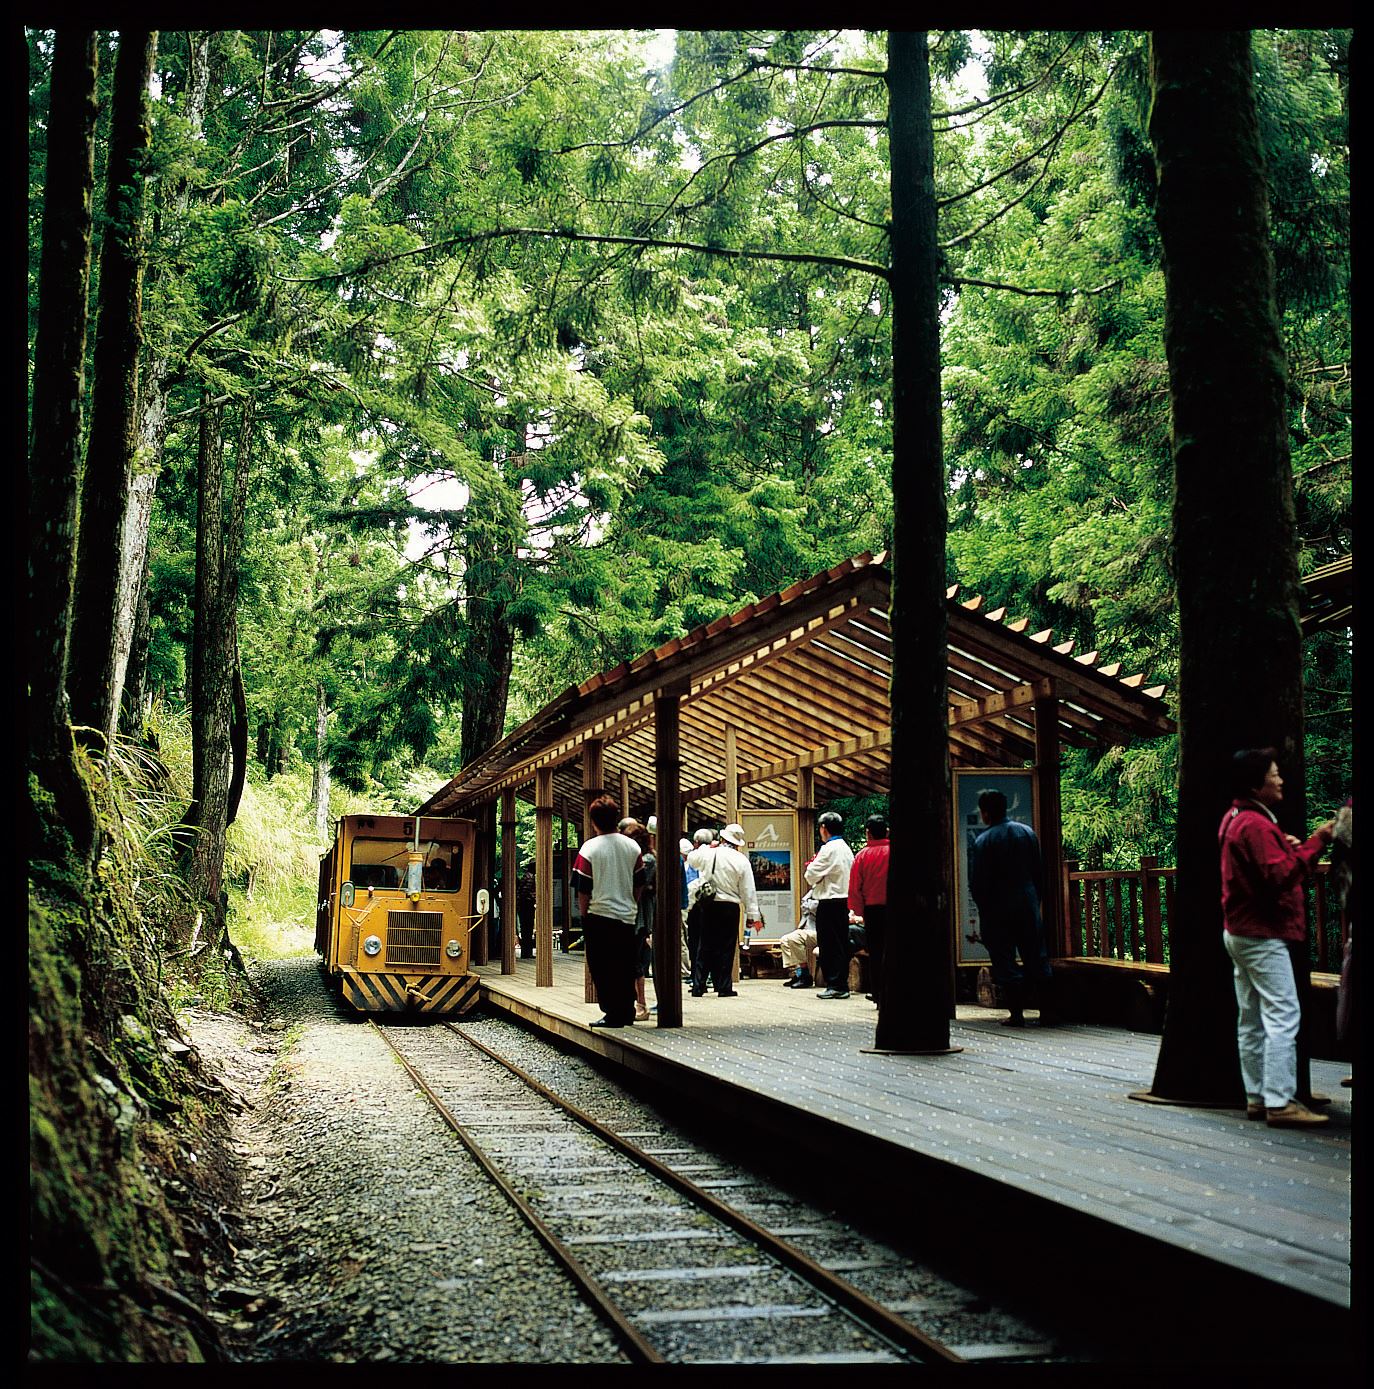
(396, 908)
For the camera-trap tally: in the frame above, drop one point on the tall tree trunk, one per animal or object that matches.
(319, 788)
(217, 773)
(59, 358)
(130, 635)
(489, 646)
(91, 680)
(916, 1016)
(211, 675)
(134, 710)
(1234, 533)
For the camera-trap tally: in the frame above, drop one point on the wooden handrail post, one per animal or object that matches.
(1149, 899)
(1073, 943)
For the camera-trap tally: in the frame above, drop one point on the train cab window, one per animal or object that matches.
(443, 867)
(377, 862)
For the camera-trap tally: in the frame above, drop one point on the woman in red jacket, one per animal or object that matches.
(1262, 875)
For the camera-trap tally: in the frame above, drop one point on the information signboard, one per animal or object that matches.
(770, 840)
(1018, 785)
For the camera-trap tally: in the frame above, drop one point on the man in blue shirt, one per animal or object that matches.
(1004, 875)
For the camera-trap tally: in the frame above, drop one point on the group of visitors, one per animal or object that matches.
(1262, 875)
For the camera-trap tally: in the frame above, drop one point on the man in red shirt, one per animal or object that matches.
(1262, 875)
(868, 896)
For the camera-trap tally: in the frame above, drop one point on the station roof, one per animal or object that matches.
(1328, 597)
(803, 676)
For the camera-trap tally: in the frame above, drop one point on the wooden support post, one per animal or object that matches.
(1051, 839)
(510, 875)
(565, 921)
(481, 877)
(732, 817)
(543, 877)
(624, 793)
(593, 781)
(731, 777)
(806, 815)
(667, 911)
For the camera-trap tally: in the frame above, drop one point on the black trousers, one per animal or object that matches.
(875, 936)
(715, 957)
(611, 959)
(694, 918)
(832, 941)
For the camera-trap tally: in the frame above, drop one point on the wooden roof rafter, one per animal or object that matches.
(804, 665)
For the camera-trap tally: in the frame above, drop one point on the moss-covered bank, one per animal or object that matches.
(127, 1161)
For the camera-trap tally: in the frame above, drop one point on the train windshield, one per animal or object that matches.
(382, 863)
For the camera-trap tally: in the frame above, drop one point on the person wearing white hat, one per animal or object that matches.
(731, 886)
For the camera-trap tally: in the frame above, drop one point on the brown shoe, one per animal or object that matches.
(1254, 1109)
(1294, 1116)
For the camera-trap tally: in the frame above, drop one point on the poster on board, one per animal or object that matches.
(770, 840)
(1018, 786)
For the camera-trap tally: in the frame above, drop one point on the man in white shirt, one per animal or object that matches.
(828, 874)
(608, 877)
(732, 879)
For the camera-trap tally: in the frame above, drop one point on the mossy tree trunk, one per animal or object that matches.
(1234, 534)
(59, 362)
(110, 449)
(55, 426)
(914, 1014)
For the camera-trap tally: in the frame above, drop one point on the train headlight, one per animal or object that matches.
(372, 945)
(453, 949)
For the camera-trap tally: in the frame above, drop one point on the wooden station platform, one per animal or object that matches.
(1023, 1151)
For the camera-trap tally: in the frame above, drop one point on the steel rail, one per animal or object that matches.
(889, 1325)
(639, 1350)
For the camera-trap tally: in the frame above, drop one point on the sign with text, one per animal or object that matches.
(770, 840)
(1018, 786)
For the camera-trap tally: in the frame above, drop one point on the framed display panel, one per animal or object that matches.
(770, 841)
(1018, 786)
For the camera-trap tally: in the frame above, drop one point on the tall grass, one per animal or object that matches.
(271, 867)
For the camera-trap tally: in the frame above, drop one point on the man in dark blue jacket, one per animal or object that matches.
(1004, 875)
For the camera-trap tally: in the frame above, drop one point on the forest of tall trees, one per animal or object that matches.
(383, 382)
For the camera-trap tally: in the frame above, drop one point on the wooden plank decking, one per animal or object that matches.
(1044, 1115)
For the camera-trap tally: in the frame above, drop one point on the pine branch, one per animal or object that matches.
(866, 267)
(961, 280)
(1035, 153)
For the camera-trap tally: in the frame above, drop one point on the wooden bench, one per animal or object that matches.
(1134, 994)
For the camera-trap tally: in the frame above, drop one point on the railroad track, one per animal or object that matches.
(677, 1273)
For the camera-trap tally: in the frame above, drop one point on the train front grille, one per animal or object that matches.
(414, 938)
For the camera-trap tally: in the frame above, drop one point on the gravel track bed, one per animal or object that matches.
(950, 1311)
(370, 1234)
(634, 1225)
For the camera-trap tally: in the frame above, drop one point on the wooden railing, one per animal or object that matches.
(1124, 914)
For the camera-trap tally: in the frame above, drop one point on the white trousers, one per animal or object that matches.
(1267, 1018)
(796, 947)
